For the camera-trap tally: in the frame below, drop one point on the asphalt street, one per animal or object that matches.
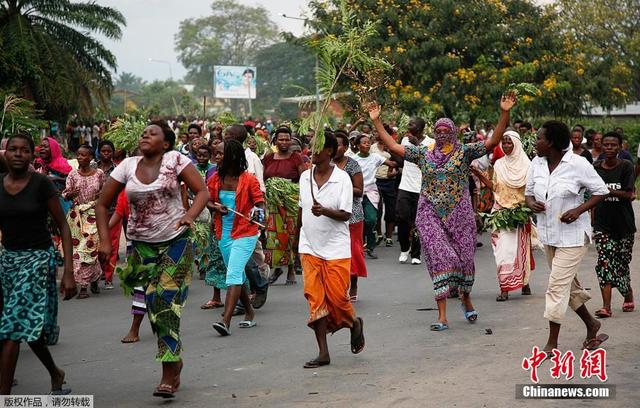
(404, 364)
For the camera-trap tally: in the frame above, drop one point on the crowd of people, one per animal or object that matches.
(239, 206)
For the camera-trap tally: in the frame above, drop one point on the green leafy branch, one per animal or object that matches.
(508, 218)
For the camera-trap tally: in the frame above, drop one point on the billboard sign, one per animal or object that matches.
(234, 82)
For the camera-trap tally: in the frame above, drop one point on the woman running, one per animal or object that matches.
(83, 189)
(28, 264)
(160, 229)
(356, 221)
(239, 206)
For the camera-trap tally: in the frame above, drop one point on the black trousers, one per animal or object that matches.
(406, 209)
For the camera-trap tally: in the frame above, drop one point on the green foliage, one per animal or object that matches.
(231, 35)
(135, 274)
(457, 57)
(282, 192)
(226, 118)
(344, 60)
(19, 115)
(50, 55)
(522, 88)
(508, 218)
(126, 131)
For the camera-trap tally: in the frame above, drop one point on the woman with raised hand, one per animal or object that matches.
(28, 264)
(160, 229)
(445, 218)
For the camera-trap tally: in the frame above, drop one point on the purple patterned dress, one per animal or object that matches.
(445, 218)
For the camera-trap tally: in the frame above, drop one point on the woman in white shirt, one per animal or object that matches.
(325, 250)
(160, 228)
(556, 184)
(369, 163)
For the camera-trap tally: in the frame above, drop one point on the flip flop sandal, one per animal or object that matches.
(603, 313)
(164, 391)
(315, 363)
(82, 295)
(357, 344)
(127, 341)
(291, 282)
(628, 306)
(61, 391)
(594, 343)
(470, 315)
(501, 298)
(274, 277)
(526, 291)
(221, 328)
(212, 304)
(439, 326)
(353, 299)
(246, 324)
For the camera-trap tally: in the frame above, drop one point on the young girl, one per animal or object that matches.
(614, 226)
(28, 263)
(83, 187)
(369, 163)
(234, 190)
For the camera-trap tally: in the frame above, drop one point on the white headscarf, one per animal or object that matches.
(512, 169)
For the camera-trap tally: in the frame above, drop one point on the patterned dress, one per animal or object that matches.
(445, 219)
(82, 222)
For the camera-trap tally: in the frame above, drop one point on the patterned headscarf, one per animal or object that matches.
(436, 155)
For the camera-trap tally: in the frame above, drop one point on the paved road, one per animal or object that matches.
(404, 364)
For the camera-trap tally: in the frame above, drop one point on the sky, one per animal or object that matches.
(152, 25)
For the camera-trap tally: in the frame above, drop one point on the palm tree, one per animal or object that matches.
(48, 53)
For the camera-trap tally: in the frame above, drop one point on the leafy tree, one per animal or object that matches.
(608, 33)
(229, 36)
(167, 98)
(50, 56)
(125, 89)
(457, 57)
(284, 69)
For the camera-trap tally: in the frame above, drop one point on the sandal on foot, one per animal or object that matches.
(628, 306)
(357, 343)
(470, 315)
(212, 304)
(439, 326)
(82, 295)
(246, 324)
(594, 343)
(353, 299)
(526, 290)
(221, 328)
(164, 391)
(129, 340)
(502, 298)
(603, 313)
(274, 277)
(61, 391)
(315, 363)
(291, 282)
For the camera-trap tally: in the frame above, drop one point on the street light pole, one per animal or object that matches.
(164, 62)
(317, 65)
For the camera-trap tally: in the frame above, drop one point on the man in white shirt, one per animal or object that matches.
(408, 195)
(556, 184)
(325, 251)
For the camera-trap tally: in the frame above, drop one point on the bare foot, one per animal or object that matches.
(131, 337)
(57, 380)
(593, 329)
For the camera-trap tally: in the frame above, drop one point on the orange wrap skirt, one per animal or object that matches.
(326, 287)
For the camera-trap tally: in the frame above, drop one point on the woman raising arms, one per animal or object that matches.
(445, 216)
